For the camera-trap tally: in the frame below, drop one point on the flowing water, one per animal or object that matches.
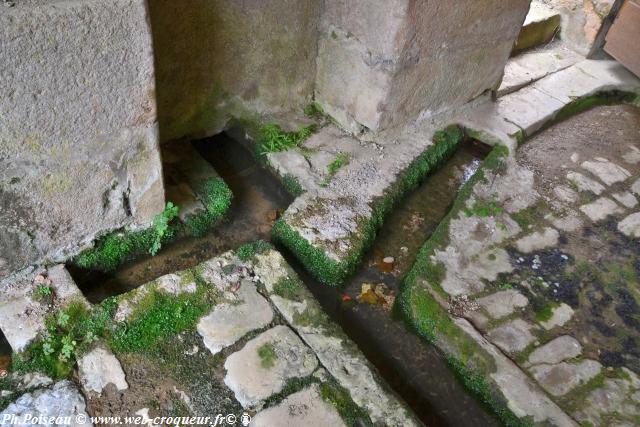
(414, 369)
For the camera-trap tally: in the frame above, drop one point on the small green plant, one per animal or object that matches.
(314, 110)
(267, 355)
(274, 139)
(161, 225)
(217, 198)
(340, 398)
(484, 209)
(249, 250)
(341, 160)
(44, 292)
(68, 334)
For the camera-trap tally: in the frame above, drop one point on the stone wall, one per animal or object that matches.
(384, 62)
(581, 21)
(78, 134)
(217, 59)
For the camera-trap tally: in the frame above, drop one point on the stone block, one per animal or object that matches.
(218, 59)
(78, 138)
(382, 64)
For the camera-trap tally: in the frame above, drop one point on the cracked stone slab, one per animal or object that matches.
(584, 183)
(337, 353)
(537, 241)
(555, 351)
(100, 367)
(608, 172)
(630, 226)
(252, 381)
(304, 408)
(635, 188)
(561, 378)
(61, 400)
(503, 303)
(512, 337)
(559, 317)
(228, 322)
(600, 209)
(23, 313)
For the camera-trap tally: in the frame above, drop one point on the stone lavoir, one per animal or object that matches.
(320, 212)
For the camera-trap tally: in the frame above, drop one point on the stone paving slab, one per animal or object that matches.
(23, 311)
(98, 368)
(255, 376)
(304, 408)
(60, 400)
(228, 322)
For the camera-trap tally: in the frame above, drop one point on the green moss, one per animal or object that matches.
(340, 399)
(248, 251)
(273, 139)
(546, 312)
(114, 249)
(484, 209)
(267, 355)
(288, 288)
(10, 386)
(526, 218)
(314, 110)
(292, 185)
(69, 333)
(160, 315)
(477, 383)
(332, 272)
(216, 197)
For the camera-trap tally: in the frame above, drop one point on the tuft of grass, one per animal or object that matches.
(247, 251)
(341, 160)
(273, 139)
(69, 333)
(267, 355)
(314, 110)
(333, 273)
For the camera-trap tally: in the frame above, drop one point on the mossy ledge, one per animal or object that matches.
(332, 272)
(423, 313)
(114, 249)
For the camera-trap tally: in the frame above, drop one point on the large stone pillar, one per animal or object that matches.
(384, 62)
(219, 59)
(78, 139)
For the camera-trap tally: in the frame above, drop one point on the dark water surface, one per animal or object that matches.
(414, 369)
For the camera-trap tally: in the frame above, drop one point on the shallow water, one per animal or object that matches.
(414, 369)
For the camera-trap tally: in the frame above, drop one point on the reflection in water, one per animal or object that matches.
(414, 369)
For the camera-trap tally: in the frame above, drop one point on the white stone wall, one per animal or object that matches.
(78, 133)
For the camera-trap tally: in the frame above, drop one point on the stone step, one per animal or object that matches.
(540, 26)
(534, 65)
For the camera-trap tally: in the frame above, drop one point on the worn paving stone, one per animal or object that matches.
(635, 187)
(614, 397)
(561, 378)
(606, 171)
(626, 199)
(555, 351)
(538, 240)
(566, 194)
(561, 315)
(228, 322)
(584, 183)
(23, 313)
(98, 368)
(253, 380)
(304, 408)
(503, 303)
(632, 156)
(512, 337)
(61, 400)
(630, 226)
(600, 209)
